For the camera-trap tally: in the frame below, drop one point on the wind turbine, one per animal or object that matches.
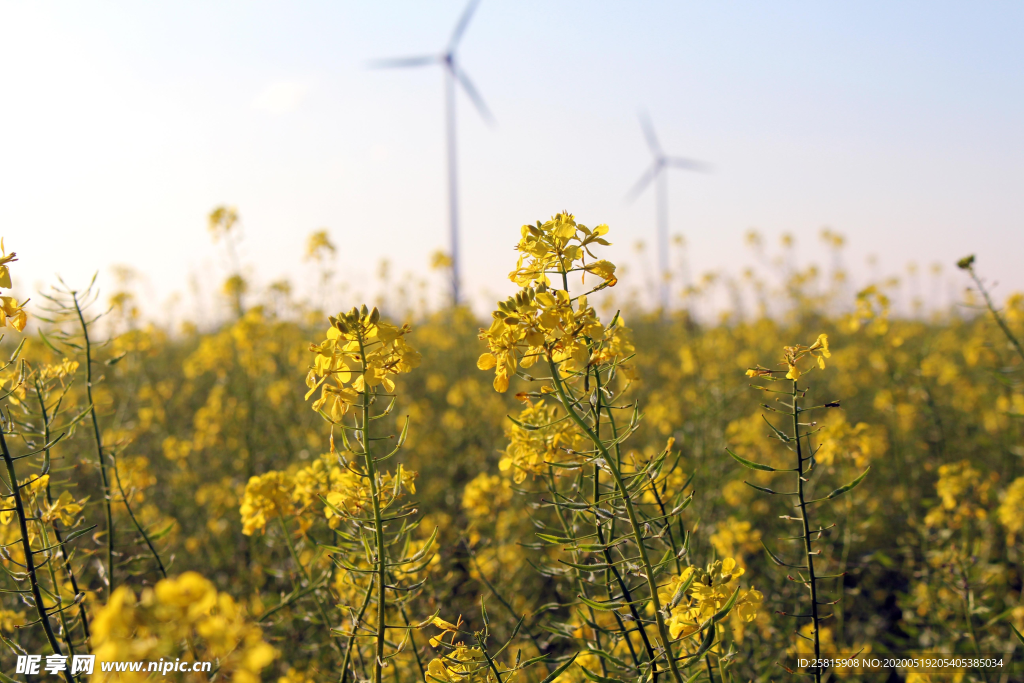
(453, 74)
(657, 172)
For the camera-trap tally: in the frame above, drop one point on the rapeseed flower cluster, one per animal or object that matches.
(543, 323)
(12, 313)
(698, 594)
(323, 488)
(539, 439)
(182, 616)
(791, 357)
(207, 430)
(360, 352)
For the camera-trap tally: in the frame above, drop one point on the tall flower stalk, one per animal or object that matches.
(353, 370)
(967, 264)
(50, 385)
(68, 307)
(69, 312)
(584, 369)
(797, 439)
(20, 502)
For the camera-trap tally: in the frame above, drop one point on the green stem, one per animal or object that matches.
(496, 594)
(378, 525)
(967, 600)
(808, 543)
(99, 440)
(355, 627)
(638, 536)
(707, 664)
(723, 672)
(567, 530)
(305, 576)
(415, 649)
(26, 545)
(65, 630)
(995, 314)
(82, 614)
(135, 522)
(482, 644)
(634, 612)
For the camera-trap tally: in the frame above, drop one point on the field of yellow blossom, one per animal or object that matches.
(558, 492)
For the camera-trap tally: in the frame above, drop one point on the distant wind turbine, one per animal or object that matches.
(657, 172)
(453, 74)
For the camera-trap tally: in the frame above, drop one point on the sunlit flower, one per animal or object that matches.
(360, 353)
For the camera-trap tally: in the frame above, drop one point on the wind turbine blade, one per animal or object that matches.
(403, 62)
(688, 164)
(644, 181)
(474, 95)
(460, 27)
(652, 139)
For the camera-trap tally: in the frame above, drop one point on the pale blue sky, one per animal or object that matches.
(123, 124)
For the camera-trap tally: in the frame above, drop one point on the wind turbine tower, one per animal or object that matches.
(657, 172)
(454, 77)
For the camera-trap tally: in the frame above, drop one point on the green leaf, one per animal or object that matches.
(588, 567)
(776, 560)
(405, 433)
(843, 489)
(421, 553)
(681, 590)
(1017, 633)
(6, 679)
(559, 540)
(727, 607)
(79, 532)
(79, 417)
(762, 488)
(591, 547)
(558, 672)
(599, 678)
(522, 425)
(610, 657)
(601, 606)
(163, 532)
(52, 348)
(748, 463)
(705, 645)
(785, 438)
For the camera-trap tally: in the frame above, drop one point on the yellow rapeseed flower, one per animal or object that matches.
(530, 451)
(267, 497)
(360, 353)
(166, 619)
(11, 312)
(709, 591)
